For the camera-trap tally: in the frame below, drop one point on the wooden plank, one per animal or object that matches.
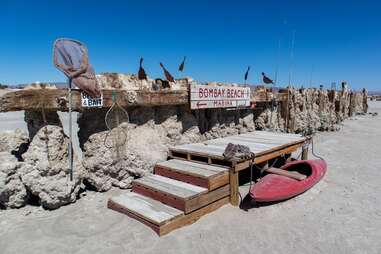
(34, 99)
(274, 154)
(169, 186)
(257, 141)
(267, 140)
(234, 199)
(146, 208)
(186, 205)
(163, 197)
(254, 147)
(205, 199)
(177, 175)
(292, 174)
(192, 168)
(200, 149)
(192, 217)
(272, 134)
(304, 152)
(219, 180)
(54, 99)
(203, 175)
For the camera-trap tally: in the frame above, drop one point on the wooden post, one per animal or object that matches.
(234, 199)
(305, 151)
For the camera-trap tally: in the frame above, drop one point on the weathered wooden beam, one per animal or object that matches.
(56, 99)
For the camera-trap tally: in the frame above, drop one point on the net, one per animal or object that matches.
(116, 120)
(71, 57)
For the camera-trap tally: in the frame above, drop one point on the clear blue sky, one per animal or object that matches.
(334, 40)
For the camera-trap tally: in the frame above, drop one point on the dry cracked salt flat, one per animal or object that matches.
(342, 214)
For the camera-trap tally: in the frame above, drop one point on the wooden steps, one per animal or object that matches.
(162, 222)
(179, 193)
(203, 175)
(183, 196)
(145, 208)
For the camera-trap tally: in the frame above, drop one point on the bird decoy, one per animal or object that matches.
(142, 73)
(181, 66)
(167, 75)
(266, 79)
(247, 73)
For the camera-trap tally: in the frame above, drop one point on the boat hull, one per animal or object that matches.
(274, 187)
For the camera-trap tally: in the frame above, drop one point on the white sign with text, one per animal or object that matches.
(203, 96)
(89, 102)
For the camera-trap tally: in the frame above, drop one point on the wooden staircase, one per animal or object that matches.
(178, 193)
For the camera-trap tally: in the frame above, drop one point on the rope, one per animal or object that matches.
(313, 151)
(119, 141)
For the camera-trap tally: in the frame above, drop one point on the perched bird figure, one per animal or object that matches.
(181, 66)
(247, 73)
(142, 73)
(167, 75)
(266, 79)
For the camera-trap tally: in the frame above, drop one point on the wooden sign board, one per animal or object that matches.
(203, 96)
(89, 102)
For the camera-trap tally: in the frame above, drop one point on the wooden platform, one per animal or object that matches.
(265, 145)
(197, 180)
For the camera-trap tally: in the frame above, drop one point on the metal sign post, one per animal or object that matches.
(70, 132)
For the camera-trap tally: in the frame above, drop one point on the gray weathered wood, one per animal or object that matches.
(147, 208)
(193, 168)
(259, 142)
(170, 186)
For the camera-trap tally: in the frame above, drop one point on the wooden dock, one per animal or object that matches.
(197, 179)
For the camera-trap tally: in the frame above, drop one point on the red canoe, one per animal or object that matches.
(274, 187)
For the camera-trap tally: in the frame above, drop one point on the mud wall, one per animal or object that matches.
(35, 165)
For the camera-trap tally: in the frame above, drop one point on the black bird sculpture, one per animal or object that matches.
(266, 79)
(181, 66)
(247, 73)
(167, 75)
(142, 73)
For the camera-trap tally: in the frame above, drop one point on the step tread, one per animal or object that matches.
(193, 168)
(170, 186)
(146, 208)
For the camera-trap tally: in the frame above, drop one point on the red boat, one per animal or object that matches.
(275, 187)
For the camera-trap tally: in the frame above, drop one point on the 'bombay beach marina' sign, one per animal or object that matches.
(204, 96)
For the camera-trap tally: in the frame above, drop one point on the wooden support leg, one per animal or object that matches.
(305, 152)
(234, 199)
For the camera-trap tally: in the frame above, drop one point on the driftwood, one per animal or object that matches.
(56, 99)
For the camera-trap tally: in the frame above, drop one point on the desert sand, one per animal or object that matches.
(342, 214)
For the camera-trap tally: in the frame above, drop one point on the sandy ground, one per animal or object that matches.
(342, 214)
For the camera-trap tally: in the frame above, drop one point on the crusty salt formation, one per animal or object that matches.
(13, 193)
(45, 170)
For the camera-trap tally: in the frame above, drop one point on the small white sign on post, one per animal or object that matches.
(203, 96)
(90, 102)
